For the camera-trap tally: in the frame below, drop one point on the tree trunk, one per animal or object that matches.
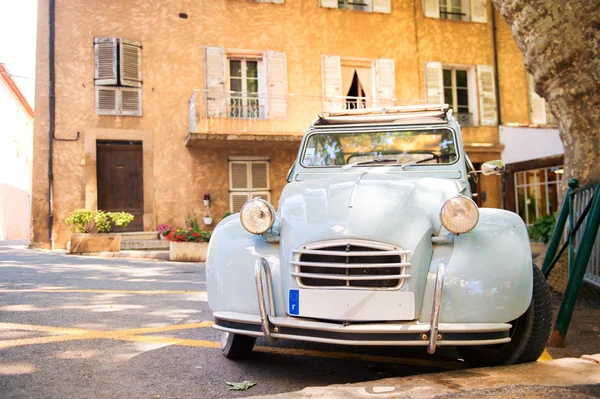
(560, 41)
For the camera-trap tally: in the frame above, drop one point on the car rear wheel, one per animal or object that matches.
(529, 333)
(236, 346)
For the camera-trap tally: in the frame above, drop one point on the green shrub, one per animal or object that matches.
(81, 221)
(191, 221)
(85, 221)
(542, 228)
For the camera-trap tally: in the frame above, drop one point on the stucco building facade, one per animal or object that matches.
(166, 101)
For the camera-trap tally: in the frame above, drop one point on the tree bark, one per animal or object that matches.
(560, 41)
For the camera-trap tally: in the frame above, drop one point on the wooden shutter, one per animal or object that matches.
(478, 11)
(488, 115)
(431, 8)
(105, 61)
(434, 83)
(276, 84)
(332, 82)
(130, 64)
(107, 100)
(237, 200)
(214, 76)
(260, 175)
(328, 3)
(386, 82)
(131, 101)
(383, 6)
(238, 176)
(537, 104)
(262, 194)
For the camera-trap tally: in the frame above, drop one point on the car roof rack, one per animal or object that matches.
(431, 113)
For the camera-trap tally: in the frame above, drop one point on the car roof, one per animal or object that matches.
(406, 115)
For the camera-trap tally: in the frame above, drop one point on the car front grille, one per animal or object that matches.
(353, 264)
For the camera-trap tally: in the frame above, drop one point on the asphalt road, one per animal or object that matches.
(81, 327)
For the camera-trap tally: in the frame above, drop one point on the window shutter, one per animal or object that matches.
(487, 96)
(434, 83)
(329, 3)
(332, 82)
(107, 100)
(431, 8)
(262, 194)
(105, 60)
(237, 200)
(214, 76)
(131, 101)
(383, 6)
(260, 175)
(386, 82)
(130, 53)
(238, 176)
(537, 105)
(276, 84)
(478, 11)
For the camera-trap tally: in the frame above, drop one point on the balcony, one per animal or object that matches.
(225, 116)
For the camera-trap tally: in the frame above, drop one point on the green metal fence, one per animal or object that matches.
(581, 209)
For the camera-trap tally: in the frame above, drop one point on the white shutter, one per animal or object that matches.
(131, 101)
(487, 96)
(276, 84)
(260, 175)
(237, 200)
(386, 82)
(383, 6)
(537, 104)
(214, 76)
(238, 176)
(262, 194)
(434, 83)
(431, 8)
(107, 100)
(478, 11)
(332, 82)
(105, 60)
(328, 3)
(130, 63)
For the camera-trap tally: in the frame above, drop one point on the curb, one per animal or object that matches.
(557, 373)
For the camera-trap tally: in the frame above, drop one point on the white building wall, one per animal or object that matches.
(527, 143)
(16, 142)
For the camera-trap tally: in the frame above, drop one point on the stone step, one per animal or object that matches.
(139, 235)
(144, 244)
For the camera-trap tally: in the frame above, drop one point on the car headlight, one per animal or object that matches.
(257, 216)
(459, 215)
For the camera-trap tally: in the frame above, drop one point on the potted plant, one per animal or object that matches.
(163, 230)
(206, 199)
(91, 230)
(188, 245)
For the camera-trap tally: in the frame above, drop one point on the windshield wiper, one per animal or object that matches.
(370, 161)
(433, 158)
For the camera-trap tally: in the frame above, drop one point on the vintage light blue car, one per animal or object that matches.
(376, 241)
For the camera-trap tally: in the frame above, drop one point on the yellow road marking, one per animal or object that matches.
(142, 292)
(171, 341)
(545, 356)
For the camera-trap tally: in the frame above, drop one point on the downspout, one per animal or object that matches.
(497, 83)
(51, 118)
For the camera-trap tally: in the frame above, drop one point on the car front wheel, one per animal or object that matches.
(529, 333)
(236, 346)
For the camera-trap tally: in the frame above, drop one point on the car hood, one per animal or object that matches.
(372, 206)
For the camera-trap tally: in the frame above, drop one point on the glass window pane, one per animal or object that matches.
(521, 202)
(530, 177)
(235, 85)
(462, 97)
(251, 69)
(519, 178)
(252, 85)
(461, 79)
(447, 78)
(448, 96)
(553, 197)
(235, 68)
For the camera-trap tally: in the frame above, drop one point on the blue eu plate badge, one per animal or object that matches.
(294, 302)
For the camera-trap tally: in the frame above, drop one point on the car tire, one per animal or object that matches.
(529, 334)
(236, 346)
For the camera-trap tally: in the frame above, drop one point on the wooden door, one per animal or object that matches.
(120, 180)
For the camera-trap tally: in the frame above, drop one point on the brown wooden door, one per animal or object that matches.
(120, 180)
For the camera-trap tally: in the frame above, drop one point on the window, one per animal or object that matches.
(456, 94)
(244, 83)
(456, 10)
(537, 192)
(118, 76)
(539, 111)
(381, 6)
(247, 180)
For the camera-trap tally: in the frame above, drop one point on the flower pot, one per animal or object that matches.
(188, 251)
(208, 220)
(206, 202)
(95, 242)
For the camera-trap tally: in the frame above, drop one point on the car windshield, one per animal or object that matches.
(412, 147)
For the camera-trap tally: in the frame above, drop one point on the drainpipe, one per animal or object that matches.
(51, 116)
(496, 80)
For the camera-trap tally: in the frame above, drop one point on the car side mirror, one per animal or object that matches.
(493, 168)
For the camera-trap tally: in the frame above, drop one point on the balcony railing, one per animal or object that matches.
(232, 112)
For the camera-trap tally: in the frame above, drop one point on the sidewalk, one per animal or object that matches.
(569, 378)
